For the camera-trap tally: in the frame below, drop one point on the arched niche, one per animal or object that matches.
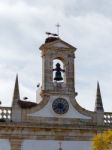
(62, 66)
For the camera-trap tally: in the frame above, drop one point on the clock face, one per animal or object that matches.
(60, 106)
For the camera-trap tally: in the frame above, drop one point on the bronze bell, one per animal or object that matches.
(58, 76)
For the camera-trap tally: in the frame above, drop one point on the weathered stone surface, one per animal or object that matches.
(41, 122)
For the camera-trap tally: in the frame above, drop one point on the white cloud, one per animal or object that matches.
(86, 24)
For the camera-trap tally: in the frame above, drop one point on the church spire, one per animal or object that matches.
(98, 103)
(16, 95)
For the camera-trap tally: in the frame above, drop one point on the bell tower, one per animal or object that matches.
(63, 82)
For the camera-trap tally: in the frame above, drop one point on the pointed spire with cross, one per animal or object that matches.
(98, 103)
(16, 95)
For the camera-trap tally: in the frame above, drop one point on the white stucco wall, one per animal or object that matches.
(48, 145)
(47, 111)
(54, 145)
(4, 144)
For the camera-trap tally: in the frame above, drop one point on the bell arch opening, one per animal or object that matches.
(59, 70)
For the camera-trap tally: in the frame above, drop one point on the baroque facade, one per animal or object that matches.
(58, 121)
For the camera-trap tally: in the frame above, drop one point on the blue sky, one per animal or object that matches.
(85, 24)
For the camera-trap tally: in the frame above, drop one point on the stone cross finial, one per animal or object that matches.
(58, 26)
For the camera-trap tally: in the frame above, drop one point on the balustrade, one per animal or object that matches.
(5, 114)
